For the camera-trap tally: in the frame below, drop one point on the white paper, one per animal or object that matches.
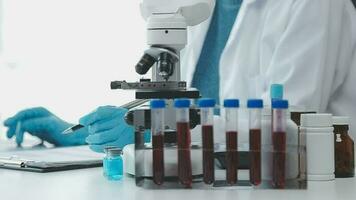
(65, 154)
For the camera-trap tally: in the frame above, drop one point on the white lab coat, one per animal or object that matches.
(307, 45)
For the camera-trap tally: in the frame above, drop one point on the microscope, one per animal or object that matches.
(167, 23)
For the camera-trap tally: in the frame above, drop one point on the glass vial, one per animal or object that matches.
(279, 127)
(113, 163)
(207, 122)
(157, 130)
(344, 148)
(231, 129)
(183, 142)
(255, 122)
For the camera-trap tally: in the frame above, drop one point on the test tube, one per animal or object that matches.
(255, 120)
(184, 142)
(231, 128)
(207, 123)
(279, 126)
(157, 131)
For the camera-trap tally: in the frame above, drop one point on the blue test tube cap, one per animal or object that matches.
(182, 103)
(206, 103)
(280, 104)
(255, 103)
(231, 103)
(277, 91)
(157, 103)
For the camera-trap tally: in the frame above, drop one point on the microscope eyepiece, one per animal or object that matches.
(145, 64)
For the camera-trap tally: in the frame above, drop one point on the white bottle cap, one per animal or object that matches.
(316, 120)
(338, 120)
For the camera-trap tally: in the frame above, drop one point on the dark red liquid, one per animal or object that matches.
(279, 159)
(255, 156)
(158, 161)
(208, 153)
(184, 160)
(231, 157)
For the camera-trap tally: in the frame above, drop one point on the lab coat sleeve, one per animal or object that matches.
(305, 57)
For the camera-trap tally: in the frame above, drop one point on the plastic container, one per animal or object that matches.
(279, 142)
(296, 114)
(157, 131)
(292, 171)
(184, 142)
(207, 123)
(255, 128)
(317, 131)
(231, 129)
(344, 148)
(113, 164)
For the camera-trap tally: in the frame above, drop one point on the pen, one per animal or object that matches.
(72, 129)
(128, 106)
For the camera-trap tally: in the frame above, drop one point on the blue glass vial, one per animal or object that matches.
(113, 164)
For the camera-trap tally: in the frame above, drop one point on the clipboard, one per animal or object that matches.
(51, 160)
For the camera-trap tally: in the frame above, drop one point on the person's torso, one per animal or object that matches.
(258, 28)
(255, 34)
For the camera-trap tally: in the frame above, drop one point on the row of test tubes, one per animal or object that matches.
(231, 107)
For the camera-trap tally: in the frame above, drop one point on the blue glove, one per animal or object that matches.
(107, 127)
(43, 124)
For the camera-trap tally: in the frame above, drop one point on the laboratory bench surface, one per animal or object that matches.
(88, 184)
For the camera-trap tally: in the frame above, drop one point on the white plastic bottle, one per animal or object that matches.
(317, 129)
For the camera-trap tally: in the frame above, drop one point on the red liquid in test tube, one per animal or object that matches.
(255, 123)
(231, 128)
(255, 156)
(158, 161)
(279, 159)
(208, 153)
(231, 157)
(279, 137)
(157, 130)
(206, 106)
(184, 159)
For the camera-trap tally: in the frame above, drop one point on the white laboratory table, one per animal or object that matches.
(89, 184)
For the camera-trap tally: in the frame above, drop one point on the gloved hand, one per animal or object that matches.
(107, 127)
(43, 124)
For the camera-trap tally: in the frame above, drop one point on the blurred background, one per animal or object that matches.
(62, 54)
